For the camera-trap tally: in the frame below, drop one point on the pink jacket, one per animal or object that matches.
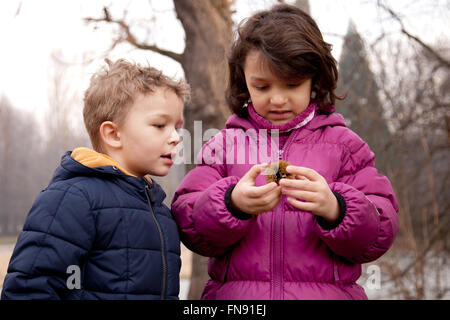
(286, 253)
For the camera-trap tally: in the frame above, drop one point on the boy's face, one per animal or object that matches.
(149, 135)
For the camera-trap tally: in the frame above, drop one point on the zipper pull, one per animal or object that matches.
(149, 193)
(280, 154)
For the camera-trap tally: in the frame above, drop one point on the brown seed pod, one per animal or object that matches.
(277, 171)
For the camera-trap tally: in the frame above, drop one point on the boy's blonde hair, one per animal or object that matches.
(113, 89)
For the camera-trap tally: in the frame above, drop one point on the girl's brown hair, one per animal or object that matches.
(293, 47)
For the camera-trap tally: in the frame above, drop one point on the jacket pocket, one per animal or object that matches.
(218, 268)
(336, 277)
(227, 267)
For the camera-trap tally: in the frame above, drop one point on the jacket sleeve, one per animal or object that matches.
(207, 226)
(57, 233)
(371, 219)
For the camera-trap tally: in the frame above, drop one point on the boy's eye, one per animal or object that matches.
(159, 126)
(293, 85)
(261, 88)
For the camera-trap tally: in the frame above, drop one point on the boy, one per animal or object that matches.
(100, 229)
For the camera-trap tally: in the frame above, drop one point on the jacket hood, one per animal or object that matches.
(94, 159)
(318, 121)
(87, 162)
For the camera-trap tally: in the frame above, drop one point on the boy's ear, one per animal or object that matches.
(110, 134)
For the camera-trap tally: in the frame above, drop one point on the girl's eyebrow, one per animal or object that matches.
(300, 80)
(252, 78)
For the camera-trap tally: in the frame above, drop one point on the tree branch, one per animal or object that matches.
(433, 52)
(223, 7)
(131, 39)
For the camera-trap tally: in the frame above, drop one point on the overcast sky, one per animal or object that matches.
(30, 31)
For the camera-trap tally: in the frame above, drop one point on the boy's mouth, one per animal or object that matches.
(167, 156)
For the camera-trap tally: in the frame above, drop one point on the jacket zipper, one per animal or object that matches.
(277, 244)
(376, 209)
(277, 247)
(164, 264)
(277, 254)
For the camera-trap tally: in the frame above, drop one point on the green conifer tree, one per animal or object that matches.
(362, 108)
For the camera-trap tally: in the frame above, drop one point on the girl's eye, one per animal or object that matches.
(261, 88)
(293, 85)
(159, 126)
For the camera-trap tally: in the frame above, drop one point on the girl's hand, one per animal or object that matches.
(249, 198)
(313, 189)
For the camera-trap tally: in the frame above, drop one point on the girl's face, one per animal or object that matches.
(275, 99)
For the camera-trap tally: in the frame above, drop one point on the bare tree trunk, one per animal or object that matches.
(304, 5)
(208, 28)
(435, 206)
(208, 36)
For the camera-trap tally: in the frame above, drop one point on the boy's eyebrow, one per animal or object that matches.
(165, 115)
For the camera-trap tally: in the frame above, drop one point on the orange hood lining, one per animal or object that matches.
(94, 159)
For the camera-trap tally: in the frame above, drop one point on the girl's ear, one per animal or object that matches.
(110, 135)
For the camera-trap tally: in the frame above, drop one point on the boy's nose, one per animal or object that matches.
(174, 137)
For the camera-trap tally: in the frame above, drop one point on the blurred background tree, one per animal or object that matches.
(362, 108)
(414, 92)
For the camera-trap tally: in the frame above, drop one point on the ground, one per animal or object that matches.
(367, 280)
(7, 247)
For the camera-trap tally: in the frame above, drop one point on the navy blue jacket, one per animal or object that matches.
(112, 226)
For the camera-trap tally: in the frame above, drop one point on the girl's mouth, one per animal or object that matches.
(280, 115)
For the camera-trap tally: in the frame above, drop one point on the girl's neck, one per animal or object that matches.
(298, 122)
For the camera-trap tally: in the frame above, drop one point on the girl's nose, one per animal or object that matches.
(278, 100)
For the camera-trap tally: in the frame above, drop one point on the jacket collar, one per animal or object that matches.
(317, 121)
(299, 121)
(94, 159)
(104, 169)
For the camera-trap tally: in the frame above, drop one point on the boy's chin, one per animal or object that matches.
(160, 173)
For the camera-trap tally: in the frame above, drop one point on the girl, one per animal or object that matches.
(306, 237)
